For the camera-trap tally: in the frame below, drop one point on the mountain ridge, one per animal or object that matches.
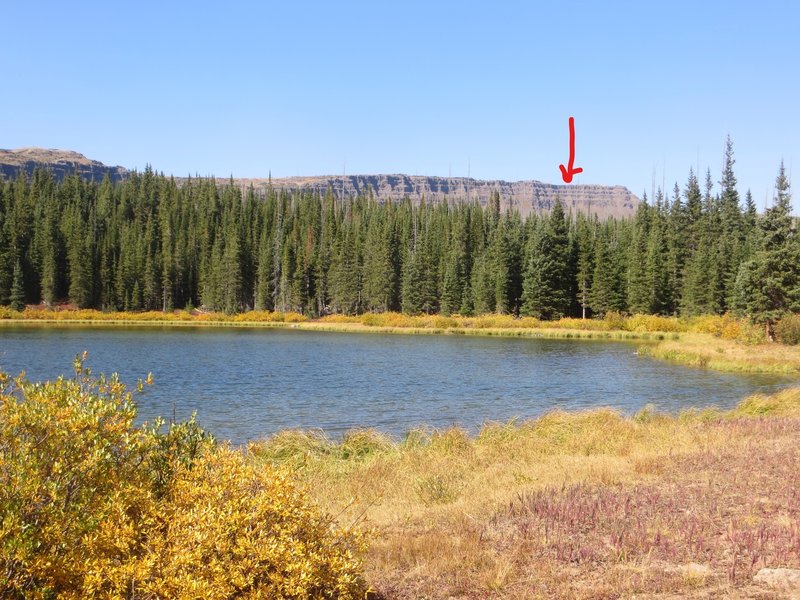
(526, 196)
(60, 162)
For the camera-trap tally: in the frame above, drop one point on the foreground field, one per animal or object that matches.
(570, 505)
(577, 505)
(721, 343)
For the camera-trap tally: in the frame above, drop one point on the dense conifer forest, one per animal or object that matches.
(148, 243)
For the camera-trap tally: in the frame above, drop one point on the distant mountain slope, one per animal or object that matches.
(525, 196)
(60, 163)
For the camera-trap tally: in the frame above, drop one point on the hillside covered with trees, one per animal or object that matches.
(148, 243)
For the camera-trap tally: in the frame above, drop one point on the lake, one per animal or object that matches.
(247, 383)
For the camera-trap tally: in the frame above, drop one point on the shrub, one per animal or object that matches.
(293, 317)
(651, 323)
(746, 332)
(387, 319)
(233, 530)
(724, 326)
(92, 506)
(7, 312)
(442, 322)
(614, 320)
(339, 318)
(787, 330)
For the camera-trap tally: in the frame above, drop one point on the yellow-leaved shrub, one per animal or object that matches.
(93, 506)
(231, 529)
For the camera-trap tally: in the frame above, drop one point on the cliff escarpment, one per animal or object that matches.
(59, 162)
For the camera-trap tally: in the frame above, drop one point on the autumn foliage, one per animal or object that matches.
(93, 506)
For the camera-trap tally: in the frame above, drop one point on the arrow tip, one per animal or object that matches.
(568, 174)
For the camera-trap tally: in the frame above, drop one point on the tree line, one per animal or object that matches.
(147, 243)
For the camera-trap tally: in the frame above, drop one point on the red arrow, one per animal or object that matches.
(568, 173)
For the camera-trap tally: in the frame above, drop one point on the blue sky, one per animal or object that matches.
(429, 88)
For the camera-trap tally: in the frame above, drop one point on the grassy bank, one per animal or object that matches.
(719, 354)
(721, 343)
(581, 505)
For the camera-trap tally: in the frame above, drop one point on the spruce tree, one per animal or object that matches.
(639, 286)
(482, 285)
(413, 276)
(17, 297)
(453, 281)
(607, 293)
(769, 285)
(546, 281)
(263, 286)
(500, 262)
(585, 248)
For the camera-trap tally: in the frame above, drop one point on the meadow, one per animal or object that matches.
(570, 505)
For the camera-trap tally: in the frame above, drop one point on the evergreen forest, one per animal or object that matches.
(148, 243)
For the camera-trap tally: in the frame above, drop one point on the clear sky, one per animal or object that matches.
(429, 88)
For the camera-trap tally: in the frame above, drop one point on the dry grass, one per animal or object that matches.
(580, 505)
(704, 350)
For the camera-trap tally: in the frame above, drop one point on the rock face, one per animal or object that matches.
(60, 163)
(525, 196)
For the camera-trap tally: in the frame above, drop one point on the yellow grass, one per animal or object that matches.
(704, 350)
(436, 497)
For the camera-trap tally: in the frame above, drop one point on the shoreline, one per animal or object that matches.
(334, 327)
(687, 348)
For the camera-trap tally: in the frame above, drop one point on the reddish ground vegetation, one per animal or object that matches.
(699, 524)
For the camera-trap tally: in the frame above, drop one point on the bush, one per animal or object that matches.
(614, 320)
(651, 323)
(787, 330)
(747, 332)
(724, 326)
(6, 312)
(92, 506)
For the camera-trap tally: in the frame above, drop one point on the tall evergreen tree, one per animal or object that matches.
(639, 287)
(768, 286)
(585, 242)
(17, 299)
(608, 280)
(547, 278)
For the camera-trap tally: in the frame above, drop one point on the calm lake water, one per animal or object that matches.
(247, 383)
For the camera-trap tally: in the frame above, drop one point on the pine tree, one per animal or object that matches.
(80, 269)
(585, 250)
(676, 237)
(413, 276)
(499, 265)
(607, 293)
(639, 288)
(482, 285)
(769, 285)
(345, 275)
(547, 280)
(17, 298)
(657, 274)
(264, 293)
(453, 281)
(379, 274)
(230, 275)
